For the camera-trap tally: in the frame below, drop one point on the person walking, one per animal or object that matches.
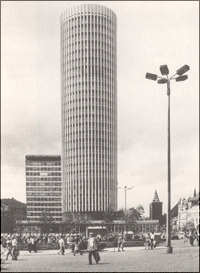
(14, 248)
(68, 241)
(9, 248)
(120, 243)
(148, 241)
(197, 237)
(29, 243)
(73, 242)
(192, 238)
(80, 245)
(76, 248)
(152, 235)
(33, 243)
(62, 246)
(92, 248)
(115, 243)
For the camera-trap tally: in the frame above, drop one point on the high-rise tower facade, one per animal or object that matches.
(89, 108)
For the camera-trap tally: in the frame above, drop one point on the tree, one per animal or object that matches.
(80, 220)
(108, 217)
(131, 218)
(140, 210)
(7, 220)
(18, 217)
(67, 222)
(46, 222)
(163, 219)
(120, 214)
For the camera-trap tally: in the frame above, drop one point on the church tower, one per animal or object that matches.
(155, 208)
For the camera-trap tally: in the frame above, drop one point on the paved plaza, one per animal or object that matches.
(134, 259)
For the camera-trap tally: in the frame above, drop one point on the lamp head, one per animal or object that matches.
(181, 78)
(182, 70)
(164, 69)
(150, 76)
(162, 81)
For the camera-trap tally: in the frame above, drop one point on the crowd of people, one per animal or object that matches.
(150, 241)
(10, 246)
(191, 237)
(75, 242)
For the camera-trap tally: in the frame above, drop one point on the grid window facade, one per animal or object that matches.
(88, 47)
(43, 187)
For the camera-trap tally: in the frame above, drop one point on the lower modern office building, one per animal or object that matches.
(43, 187)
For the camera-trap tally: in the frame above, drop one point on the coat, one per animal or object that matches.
(92, 244)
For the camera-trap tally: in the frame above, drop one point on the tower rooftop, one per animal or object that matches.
(156, 198)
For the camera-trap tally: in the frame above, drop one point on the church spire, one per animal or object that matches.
(156, 198)
(194, 192)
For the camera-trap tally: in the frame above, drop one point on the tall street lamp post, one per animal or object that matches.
(125, 189)
(165, 71)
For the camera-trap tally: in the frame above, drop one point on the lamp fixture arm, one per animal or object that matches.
(173, 76)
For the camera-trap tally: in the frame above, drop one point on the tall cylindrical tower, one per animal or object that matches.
(89, 108)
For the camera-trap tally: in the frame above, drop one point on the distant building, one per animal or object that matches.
(145, 226)
(174, 218)
(188, 212)
(142, 226)
(43, 187)
(155, 208)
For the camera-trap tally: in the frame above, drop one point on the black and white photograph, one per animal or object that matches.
(100, 136)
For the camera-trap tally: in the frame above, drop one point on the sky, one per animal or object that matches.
(149, 34)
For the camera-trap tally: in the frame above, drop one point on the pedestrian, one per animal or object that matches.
(148, 241)
(115, 243)
(62, 246)
(68, 241)
(92, 247)
(15, 251)
(76, 241)
(192, 238)
(29, 243)
(152, 235)
(185, 238)
(35, 242)
(80, 245)
(73, 242)
(120, 243)
(9, 248)
(3, 241)
(197, 237)
(33, 245)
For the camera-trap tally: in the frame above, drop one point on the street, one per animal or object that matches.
(135, 259)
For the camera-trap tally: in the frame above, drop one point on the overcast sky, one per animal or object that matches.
(150, 34)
